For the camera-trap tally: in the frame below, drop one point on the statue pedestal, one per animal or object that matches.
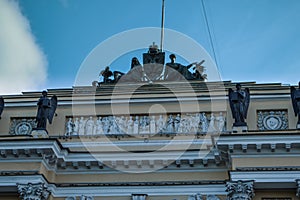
(239, 129)
(39, 133)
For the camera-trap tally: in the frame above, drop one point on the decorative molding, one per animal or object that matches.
(240, 190)
(83, 197)
(33, 191)
(197, 196)
(212, 197)
(22, 126)
(139, 196)
(144, 124)
(272, 120)
(70, 198)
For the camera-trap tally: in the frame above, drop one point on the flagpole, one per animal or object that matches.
(162, 25)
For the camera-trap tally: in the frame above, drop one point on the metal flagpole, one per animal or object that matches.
(162, 25)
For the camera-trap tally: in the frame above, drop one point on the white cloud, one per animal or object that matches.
(23, 65)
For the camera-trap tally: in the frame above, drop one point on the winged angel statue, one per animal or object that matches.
(46, 110)
(239, 103)
(295, 95)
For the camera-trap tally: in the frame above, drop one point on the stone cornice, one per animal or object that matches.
(125, 189)
(55, 157)
(258, 142)
(268, 179)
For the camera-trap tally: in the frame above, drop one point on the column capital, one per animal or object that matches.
(240, 190)
(33, 191)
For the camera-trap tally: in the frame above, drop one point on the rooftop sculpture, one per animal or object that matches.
(154, 69)
(46, 110)
(239, 103)
(295, 95)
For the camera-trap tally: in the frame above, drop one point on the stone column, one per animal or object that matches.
(139, 196)
(240, 190)
(33, 191)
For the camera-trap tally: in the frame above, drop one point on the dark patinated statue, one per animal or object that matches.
(106, 73)
(1, 106)
(295, 95)
(135, 62)
(46, 110)
(184, 70)
(239, 102)
(154, 69)
(154, 56)
(199, 71)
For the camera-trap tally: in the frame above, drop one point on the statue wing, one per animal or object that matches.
(230, 93)
(247, 102)
(1, 105)
(52, 109)
(294, 102)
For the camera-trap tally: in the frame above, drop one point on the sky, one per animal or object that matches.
(45, 43)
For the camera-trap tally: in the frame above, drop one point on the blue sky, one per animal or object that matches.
(255, 40)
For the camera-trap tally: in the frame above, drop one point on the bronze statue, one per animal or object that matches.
(106, 73)
(295, 95)
(199, 71)
(46, 110)
(1, 106)
(184, 70)
(239, 102)
(135, 62)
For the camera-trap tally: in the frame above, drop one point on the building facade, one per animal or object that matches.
(158, 141)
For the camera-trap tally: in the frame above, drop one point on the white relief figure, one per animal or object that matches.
(114, 128)
(211, 127)
(181, 128)
(152, 125)
(194, 124)
(130, 125)
(136, 125)
(220, 122)
(99, 127)
(106, 125)
(69, 127)
(144, 125)
(177, 122)
(89, 126)
(170, 124)
(160, 124)
(204, 123)
(188, 124)
(76, 126)
(122, 124)
(81, 126)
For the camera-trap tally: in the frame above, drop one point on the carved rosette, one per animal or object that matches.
(33, 191)
(272, 120)
(240, 190)
(22, 126)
